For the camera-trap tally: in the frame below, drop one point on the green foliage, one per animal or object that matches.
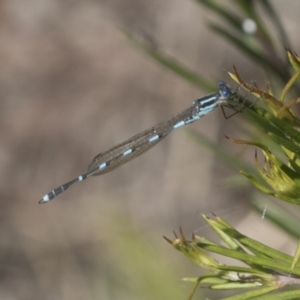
(262, 46)
(281, 178)
(267, 270)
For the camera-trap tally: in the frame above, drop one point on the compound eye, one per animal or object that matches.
(221, 85)
(224, 90)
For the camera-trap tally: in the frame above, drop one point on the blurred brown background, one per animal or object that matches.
(71, 87)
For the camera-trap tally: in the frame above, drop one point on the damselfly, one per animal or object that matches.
(138, 144)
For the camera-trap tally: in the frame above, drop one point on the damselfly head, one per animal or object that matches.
(224, 90)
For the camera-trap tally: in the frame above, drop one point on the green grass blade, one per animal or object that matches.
(172, 64)
(276, 21)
